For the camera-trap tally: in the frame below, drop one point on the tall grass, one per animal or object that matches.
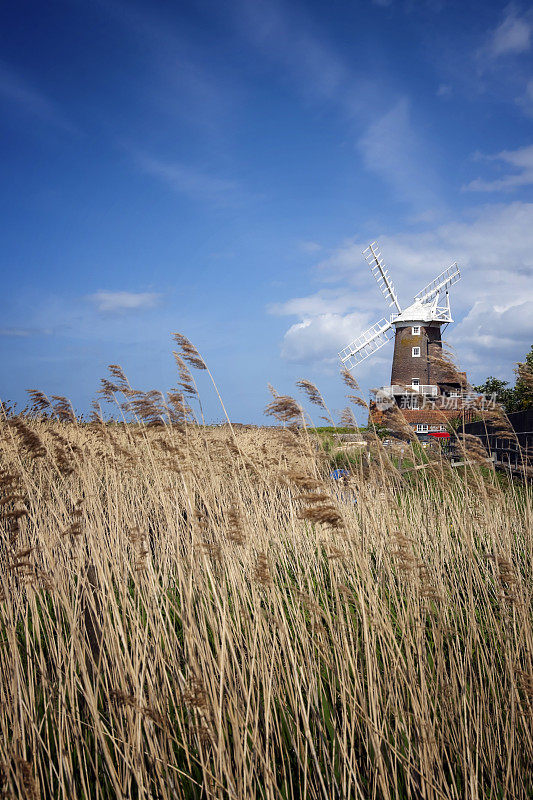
(195, 612)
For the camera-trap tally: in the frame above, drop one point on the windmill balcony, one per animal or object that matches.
(398, 389)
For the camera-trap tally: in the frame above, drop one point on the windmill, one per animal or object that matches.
(416, 331)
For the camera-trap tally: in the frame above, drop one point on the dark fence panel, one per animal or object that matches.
(511, 452)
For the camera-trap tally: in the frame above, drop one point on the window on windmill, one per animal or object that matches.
(416, 352)
(416, 330)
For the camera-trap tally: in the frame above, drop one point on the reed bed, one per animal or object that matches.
(189, 612)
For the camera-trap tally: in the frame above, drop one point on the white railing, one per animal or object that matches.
(426, 389)
(438, 314)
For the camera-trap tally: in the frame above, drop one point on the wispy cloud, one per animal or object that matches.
(513, 34)
(24, 333)
(284, 35)
(326, 301)
(391, 148)
(111, 302)
(309, 247)
(489, 62)
(191, 181)
(444, 90)
(522, 162)
(25, 97)
(525, 101)
(178, 81)
(388, 142)
(500, 67)
(181, 82)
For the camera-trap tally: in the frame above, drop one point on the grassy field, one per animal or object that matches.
(197, 612)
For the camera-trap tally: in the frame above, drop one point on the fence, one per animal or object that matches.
(509, 452)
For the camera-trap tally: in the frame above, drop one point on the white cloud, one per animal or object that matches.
(521, 160)
(513, 34)
(492, 304)
(496, 338)
(123, 301)
(319, 338)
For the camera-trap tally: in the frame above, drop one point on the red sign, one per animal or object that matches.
(440, 435)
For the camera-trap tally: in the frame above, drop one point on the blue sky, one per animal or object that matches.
(217, 168)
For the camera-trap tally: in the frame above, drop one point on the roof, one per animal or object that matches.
(428, 416)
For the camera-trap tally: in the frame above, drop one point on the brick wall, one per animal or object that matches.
(404, 366)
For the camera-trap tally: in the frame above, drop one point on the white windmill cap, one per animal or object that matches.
(417, 312)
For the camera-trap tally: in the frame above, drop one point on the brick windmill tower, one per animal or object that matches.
(416, 373)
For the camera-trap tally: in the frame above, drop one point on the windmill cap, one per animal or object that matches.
(418, 312)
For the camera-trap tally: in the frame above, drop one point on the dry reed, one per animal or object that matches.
(201, 612)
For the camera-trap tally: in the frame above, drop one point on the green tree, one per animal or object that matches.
(494, 386)
(520, 396)
(523, 390)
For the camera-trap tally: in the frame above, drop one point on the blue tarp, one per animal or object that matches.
(339, 473)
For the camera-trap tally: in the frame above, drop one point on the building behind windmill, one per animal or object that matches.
(424, 384)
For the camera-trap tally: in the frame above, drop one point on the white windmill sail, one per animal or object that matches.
(366, 344)
(440, 284)
(375, 261)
